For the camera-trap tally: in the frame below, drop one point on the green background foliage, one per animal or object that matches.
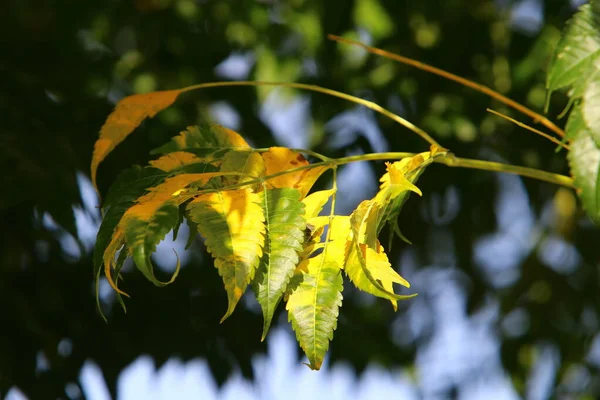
(64, 64)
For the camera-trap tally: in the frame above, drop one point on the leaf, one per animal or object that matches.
(313, 306)
(584, 161)
(575, 123)
(128, 187)
(366, 263)
(246, 162)
(576, 50)
(116, 243)
(128, 115)
(280, 159)
(397, 184)
(590, 106)
(206, 141)
(284, 237)
(157, 212)
(233, 224)
(175, 160)
(314, 203)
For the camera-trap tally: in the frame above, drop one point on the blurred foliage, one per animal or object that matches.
(64, 64)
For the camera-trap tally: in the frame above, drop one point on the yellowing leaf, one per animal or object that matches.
(279, 159)
(115, 244)
(174, 160)
(128, 115)
(248, 163)
(284, 238)
(313, 305)
(211, 141)
(157, 212)
(233, 224)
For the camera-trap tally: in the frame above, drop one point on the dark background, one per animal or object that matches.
(519, 247)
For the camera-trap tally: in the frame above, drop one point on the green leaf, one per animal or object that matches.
(313, 306)
(575, 123)
(590, 106)
(285, 235)
(584, 160)
(576, 50)
(232, 222)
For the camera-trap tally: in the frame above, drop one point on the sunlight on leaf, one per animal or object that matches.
(233, 224)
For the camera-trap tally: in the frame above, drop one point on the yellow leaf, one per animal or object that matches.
(366, 263)
(314, 203)
(128, 115)
(172, 161)
(279, 159)
(172, 188)
(395, 181)
(232, 222)
(382, 271)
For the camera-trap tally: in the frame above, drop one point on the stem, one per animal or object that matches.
(447, 159)
(369, 104)
(557, 179)
(529, 128)
(465, 82)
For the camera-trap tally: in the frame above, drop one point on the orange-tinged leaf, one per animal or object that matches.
(172, 161)
(128, 115)
(308, 179)
(279, 159)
